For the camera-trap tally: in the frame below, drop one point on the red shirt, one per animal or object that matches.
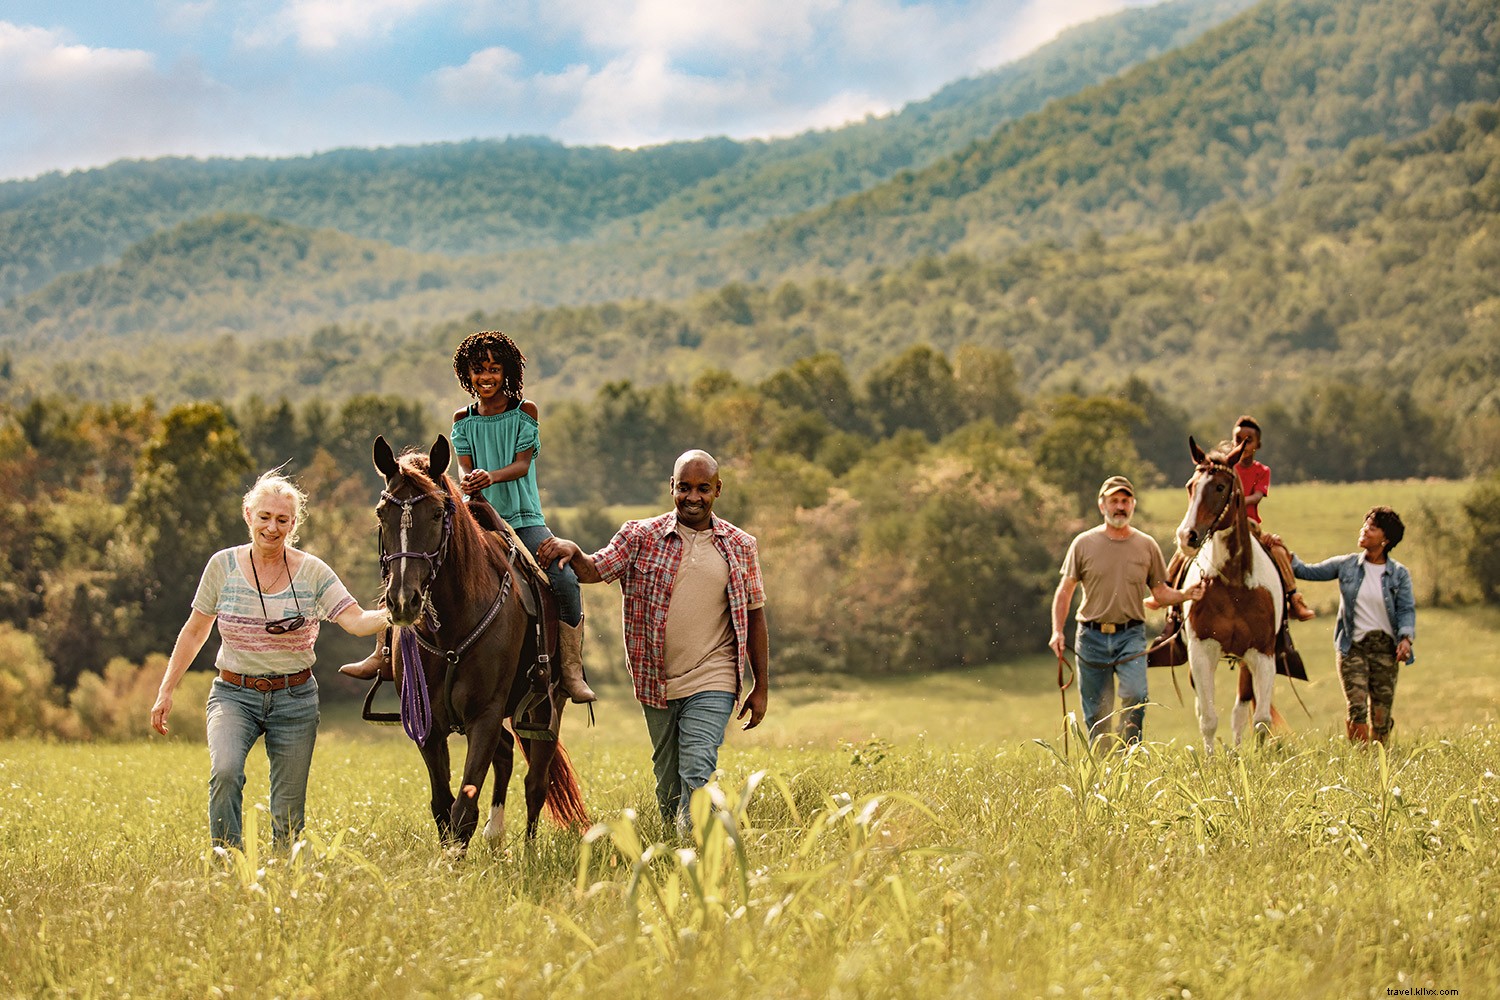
(645, 556)
(1254, 478)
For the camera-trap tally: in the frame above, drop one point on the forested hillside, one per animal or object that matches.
(1232, 117)
(484, 197)
(1383, 268)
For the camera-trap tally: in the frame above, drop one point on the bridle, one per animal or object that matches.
(416, 711)
(434, 559)
(1212, 467)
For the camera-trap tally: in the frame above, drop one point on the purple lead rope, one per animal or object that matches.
(416, 711)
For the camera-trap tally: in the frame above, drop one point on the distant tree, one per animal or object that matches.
(817, 384)
(185, 506)
(1161, 435)
(1482, 508)
(915, 390)
(986, 385)
(1083, 440)
(360, 420)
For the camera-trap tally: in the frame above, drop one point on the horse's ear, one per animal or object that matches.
(1197, 452)
(385, 459)
(438, 458)
(1233, 458)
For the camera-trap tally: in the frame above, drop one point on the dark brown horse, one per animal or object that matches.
(465, 636)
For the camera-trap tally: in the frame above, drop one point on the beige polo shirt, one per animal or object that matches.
(699, 645)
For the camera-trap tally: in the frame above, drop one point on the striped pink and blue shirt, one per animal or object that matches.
(245, 645)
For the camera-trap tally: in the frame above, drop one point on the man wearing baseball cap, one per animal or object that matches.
(1118, 566)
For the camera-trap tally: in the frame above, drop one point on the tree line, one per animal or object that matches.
(912, 517)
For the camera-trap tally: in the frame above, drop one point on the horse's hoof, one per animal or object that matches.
(455, 852)
(494, 830)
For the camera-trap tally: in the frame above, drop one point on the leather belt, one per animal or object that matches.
(1110, 628)
(271, 683)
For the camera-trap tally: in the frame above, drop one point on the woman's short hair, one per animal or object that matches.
(271, 484)
(1389, 522)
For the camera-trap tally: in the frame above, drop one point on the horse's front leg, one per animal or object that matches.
(1203, 660)
(435, 756)
(484, 736)
(504, 764)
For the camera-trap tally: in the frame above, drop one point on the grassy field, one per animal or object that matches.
(897, 839)
(901, 837)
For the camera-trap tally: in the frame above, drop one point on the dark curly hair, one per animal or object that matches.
(490, 345)
(1389, 522)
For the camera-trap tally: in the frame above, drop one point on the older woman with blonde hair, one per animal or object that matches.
(267, 599)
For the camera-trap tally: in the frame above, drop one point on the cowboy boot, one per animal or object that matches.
(570, 663)
(1358, 732)
(377, 664)
(1298, 608)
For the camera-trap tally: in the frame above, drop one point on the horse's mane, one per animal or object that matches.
(468, 551)
(1220, 452)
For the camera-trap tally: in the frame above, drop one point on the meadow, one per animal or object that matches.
(910, 836)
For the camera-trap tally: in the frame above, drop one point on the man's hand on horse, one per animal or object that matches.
(755, 704)
(554, 548)
(1193, 593)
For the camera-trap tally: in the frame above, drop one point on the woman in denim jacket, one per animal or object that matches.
(1376, 625)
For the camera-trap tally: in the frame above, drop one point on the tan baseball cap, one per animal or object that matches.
(1114, 484)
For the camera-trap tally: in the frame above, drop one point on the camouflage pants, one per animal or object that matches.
(1368, 673)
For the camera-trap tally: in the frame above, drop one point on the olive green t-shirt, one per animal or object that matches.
(1116, 573)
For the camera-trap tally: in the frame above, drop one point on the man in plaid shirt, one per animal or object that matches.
(695, 622)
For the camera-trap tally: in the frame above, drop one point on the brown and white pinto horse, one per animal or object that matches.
(1240, 611)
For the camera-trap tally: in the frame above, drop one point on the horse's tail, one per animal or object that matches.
(564, 797)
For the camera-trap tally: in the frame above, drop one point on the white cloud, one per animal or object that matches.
(491, 76)
(1039, 21)
(656, 70)
(70, 105)
(323, 25)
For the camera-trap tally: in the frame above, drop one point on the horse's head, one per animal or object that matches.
(416, 523)
(1214, 496)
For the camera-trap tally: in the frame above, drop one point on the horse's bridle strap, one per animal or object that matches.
(1215, 526)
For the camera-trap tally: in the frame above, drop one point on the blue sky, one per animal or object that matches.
(84, 82)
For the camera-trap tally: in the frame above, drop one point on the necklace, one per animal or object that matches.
(284, 569)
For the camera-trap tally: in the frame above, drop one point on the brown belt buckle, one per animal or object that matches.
(1107, 628)
(262, 683)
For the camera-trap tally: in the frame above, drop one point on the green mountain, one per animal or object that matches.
(1382, 269)
(1269, 204)
(1231, 117)
(521, 194)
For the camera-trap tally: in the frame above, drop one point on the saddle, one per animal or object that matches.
(533, 714)
(1170, 648)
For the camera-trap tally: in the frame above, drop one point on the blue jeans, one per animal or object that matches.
(560, 574)
(685, 741)
(1096, 683)
(237, 717)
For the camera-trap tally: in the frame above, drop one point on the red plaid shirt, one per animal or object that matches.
(645, 556)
